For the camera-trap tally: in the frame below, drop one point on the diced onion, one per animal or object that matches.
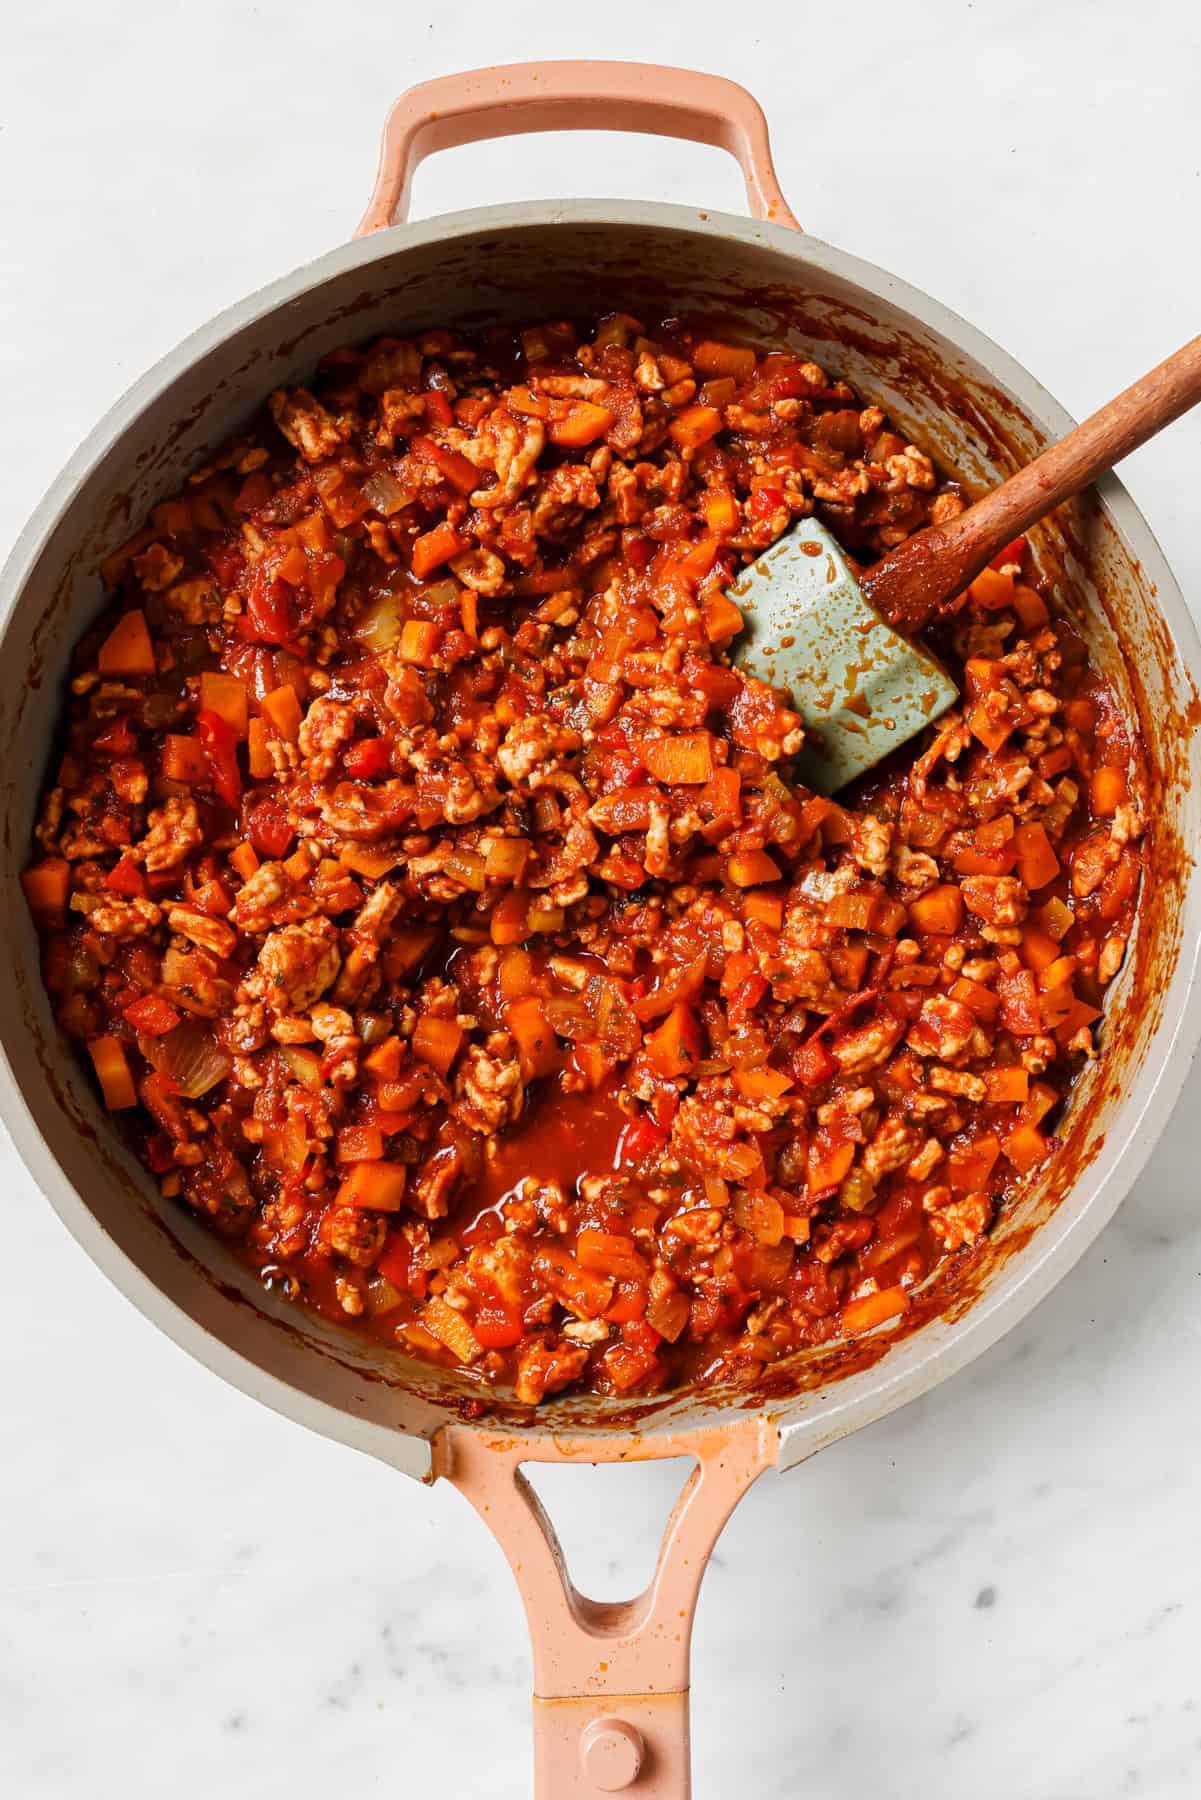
(189, 1056)
(384, 492)
(380, 627)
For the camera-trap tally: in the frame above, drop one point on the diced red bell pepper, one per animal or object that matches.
(367, 757)
(268, 827)
(151, 1016)
(270, 616)
(498, 1327)
(221, 747)
(639, 1139)
(116, 739)
(127, 879)
(811, 1063)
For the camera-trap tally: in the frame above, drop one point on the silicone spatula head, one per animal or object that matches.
(861, 688)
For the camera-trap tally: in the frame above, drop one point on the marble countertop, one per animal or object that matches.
(994, 1592)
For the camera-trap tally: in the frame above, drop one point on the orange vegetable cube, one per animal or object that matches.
(1037, 861)
(226, 696)
(113, 1073)
(282, 709)
(720, 508)
(694, 426)
(1006, 1087)
(750, 868)
(258, 758)
(686, 758)
(436, 547)
(127, 649)
(360, 1143)
(723, 621)
(419, 639)
(244, 860)
(674, 1047)
(762, 1084)
(436, 1041)
(1030, 607)
(1107, 790)
(185, 759)
(969, 1167)
(47, 885)
(373, 1187)
(580, 423)
(938, 912)
(828, 1164)
(713, 358)
(992, 590)
(1039, 948)
(767, 909)
(537, 1046)
(1026, 1147)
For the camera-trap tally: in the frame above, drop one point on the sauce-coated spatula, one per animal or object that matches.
(843, 647)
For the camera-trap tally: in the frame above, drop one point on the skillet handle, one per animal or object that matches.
(610, 1678)
(572, 96)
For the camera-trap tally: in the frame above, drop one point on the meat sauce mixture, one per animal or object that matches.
(433, 899)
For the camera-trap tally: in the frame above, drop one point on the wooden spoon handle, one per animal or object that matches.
(935, 564)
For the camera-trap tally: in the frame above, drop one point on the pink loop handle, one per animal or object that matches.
(610, 1678)
(572, 96)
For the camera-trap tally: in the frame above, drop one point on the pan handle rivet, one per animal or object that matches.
(610, 1754)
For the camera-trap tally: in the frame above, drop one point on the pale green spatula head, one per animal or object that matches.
(861, 688)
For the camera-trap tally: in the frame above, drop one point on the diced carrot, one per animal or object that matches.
(873, 1309)
(112, 1072)
(938, 911)
(977, 998)
(47, 885)
(127, 650)
(1041, 1099)
(766, 909)
(298, 866)
(185, 759)
(1026, 1147)
(457, 469)
(1037, 861)
(695, 425)
(282, 709)
(244, 859)
(714, 358)
(537, 1046)
(384, 1060)
(452, 1329)
(1055, 1005)
(992, 590)
(828, 1163)
(373, 1187)
(1006, 1087)
(1059, 973)
(762, 1084)
(750, 868)
(258, 758)
(992, 729)
(1081, 1014)
(969, 1167)
(509, 920)
(419, 640)
(580, 423)
(365, 859)
(436, 547)
(360, 1143)
(723, 621)
(720, 508)
(436, 1041)
(1039, 949)
(1107, 790)
(674, 1048)
(686, 758)
(226, 696)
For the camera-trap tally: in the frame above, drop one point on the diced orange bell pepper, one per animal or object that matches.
(127, 650)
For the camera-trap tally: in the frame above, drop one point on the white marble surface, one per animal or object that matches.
(994, 1593)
